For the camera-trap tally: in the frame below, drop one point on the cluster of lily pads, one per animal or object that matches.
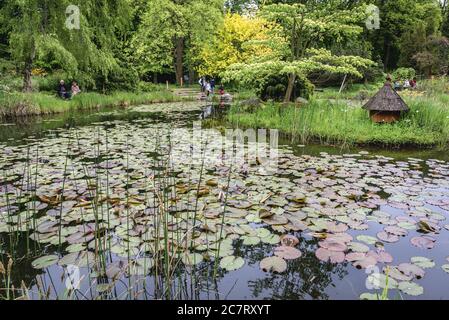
(115, 190)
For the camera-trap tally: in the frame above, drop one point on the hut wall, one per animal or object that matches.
(385, 116)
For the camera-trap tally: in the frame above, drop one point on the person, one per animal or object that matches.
(413, 83)
(397, 85)
(202, 83)
(75, 89)
(62, 91)
(221, 91)
(208, 88)
(212, 85)
(407, 84)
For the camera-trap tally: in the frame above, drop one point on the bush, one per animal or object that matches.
(404, 73)
(275, 86)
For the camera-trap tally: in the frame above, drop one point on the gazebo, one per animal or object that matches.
(386, 106)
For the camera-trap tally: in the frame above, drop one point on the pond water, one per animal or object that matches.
(154, 203)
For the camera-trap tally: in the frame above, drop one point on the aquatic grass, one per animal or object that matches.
(426, 125)
(18, 104)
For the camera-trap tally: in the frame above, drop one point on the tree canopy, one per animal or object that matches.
(121, 42)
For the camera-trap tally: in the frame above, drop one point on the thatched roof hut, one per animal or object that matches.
(387, 105)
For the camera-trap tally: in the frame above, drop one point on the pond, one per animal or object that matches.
(153, 202)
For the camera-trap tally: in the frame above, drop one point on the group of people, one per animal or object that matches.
(208, 86)
(64, 94)
(405, 85)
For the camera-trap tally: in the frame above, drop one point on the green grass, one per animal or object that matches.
(426, 125)
(23, 104)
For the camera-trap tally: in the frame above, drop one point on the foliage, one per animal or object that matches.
(336, 122)
(404, 73)
(239, 39)
(167, 27)
(305, 32)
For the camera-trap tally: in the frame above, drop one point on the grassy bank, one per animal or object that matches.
(22, 104)
(426, 125)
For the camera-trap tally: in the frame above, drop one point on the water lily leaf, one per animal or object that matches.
(45, 262)
(140, 267)
(276, 220)
(191, 259)
(262, 232)
(287, 253)
(423, 262)
(231, 263)
(358, 247)
(333, 245)
(275, 264)
(367, 239)
(381, 281)
(411, 288)
(395, 273)
(411, 270)
(264, 213)
(289, 240)
(387, 237)
(250, 241)
(369, 296)
(424, 242)
(271, 239)
(445, 267)
(425, 227)
(332, 256)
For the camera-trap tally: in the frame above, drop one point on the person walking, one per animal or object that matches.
(212, 85)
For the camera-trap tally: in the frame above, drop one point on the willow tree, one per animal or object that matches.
(172, 30)
(307, 29)
(38, 29)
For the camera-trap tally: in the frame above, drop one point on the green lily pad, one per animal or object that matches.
(231, 263)
(367, 239)
(369, 296)
(45, 262)
(275, 264)
(411, 288)
(250, 241)
(191, 259)
(423, 262)
(445, 267)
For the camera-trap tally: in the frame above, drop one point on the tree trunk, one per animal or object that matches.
(291, 84)
(179, 53)
(27, 84)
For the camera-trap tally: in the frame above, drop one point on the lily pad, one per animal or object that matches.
(424, 242)
(423, 262)
(411, 288)
(45, 262)
(332, 256)
(275, 264)
(287, 253)
(231, 263)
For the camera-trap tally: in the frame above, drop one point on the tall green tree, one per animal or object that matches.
(307, 29)
(37, 30)
(172, 32)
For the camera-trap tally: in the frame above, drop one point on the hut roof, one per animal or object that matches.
(387, 99)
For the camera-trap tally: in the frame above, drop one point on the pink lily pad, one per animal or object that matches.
(332, 256)
(424, 242)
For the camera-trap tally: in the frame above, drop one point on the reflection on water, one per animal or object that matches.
(125, 200)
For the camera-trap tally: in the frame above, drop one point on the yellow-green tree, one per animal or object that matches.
(240, 39)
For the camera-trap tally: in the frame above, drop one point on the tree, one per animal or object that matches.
(172, 31)
(240, 39)
(36, 31)
(306, 30)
